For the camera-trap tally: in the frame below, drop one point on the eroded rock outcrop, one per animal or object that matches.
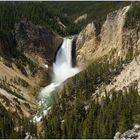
(81, 18)
(37, 42)
(22, 71)
(130, 134)
(111, 38)
(86, 44)
(118, 43)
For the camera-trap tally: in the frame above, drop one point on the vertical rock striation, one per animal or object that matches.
(91, 47)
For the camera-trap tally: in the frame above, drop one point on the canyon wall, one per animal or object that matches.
(91, 46)
(23, 56)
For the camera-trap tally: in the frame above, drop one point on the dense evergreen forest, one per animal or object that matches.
(101, 119)
(48, 14)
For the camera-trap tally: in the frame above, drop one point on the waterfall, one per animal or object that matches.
(62, 69)
(63, 66)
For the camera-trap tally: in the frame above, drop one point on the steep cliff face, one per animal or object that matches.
(109, 39)
(22, 72)
(86, 44)
(17, 80)
(117, 43)
(37, 42)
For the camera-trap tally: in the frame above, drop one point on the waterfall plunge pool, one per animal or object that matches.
(62, 70)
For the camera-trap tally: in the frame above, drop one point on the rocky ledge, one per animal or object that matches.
(130, 134)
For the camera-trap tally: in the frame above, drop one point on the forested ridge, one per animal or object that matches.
(78, 113)
(48, 13)
(81, 113)
(101, 119)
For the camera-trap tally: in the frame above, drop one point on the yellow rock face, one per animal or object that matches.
(90, 47)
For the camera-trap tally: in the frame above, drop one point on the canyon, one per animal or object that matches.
(61, 84)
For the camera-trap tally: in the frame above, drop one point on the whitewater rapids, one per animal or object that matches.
(62, 70)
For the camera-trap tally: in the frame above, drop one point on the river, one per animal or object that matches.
(62, 70)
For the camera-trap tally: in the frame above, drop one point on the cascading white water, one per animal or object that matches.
(62, 69)
(63, 66)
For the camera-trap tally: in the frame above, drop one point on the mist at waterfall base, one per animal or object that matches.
(62, 70)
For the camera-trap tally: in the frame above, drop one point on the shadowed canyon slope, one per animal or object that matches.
(37, 42)
(22, 70)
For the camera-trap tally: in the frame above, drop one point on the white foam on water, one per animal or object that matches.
(62, 70)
